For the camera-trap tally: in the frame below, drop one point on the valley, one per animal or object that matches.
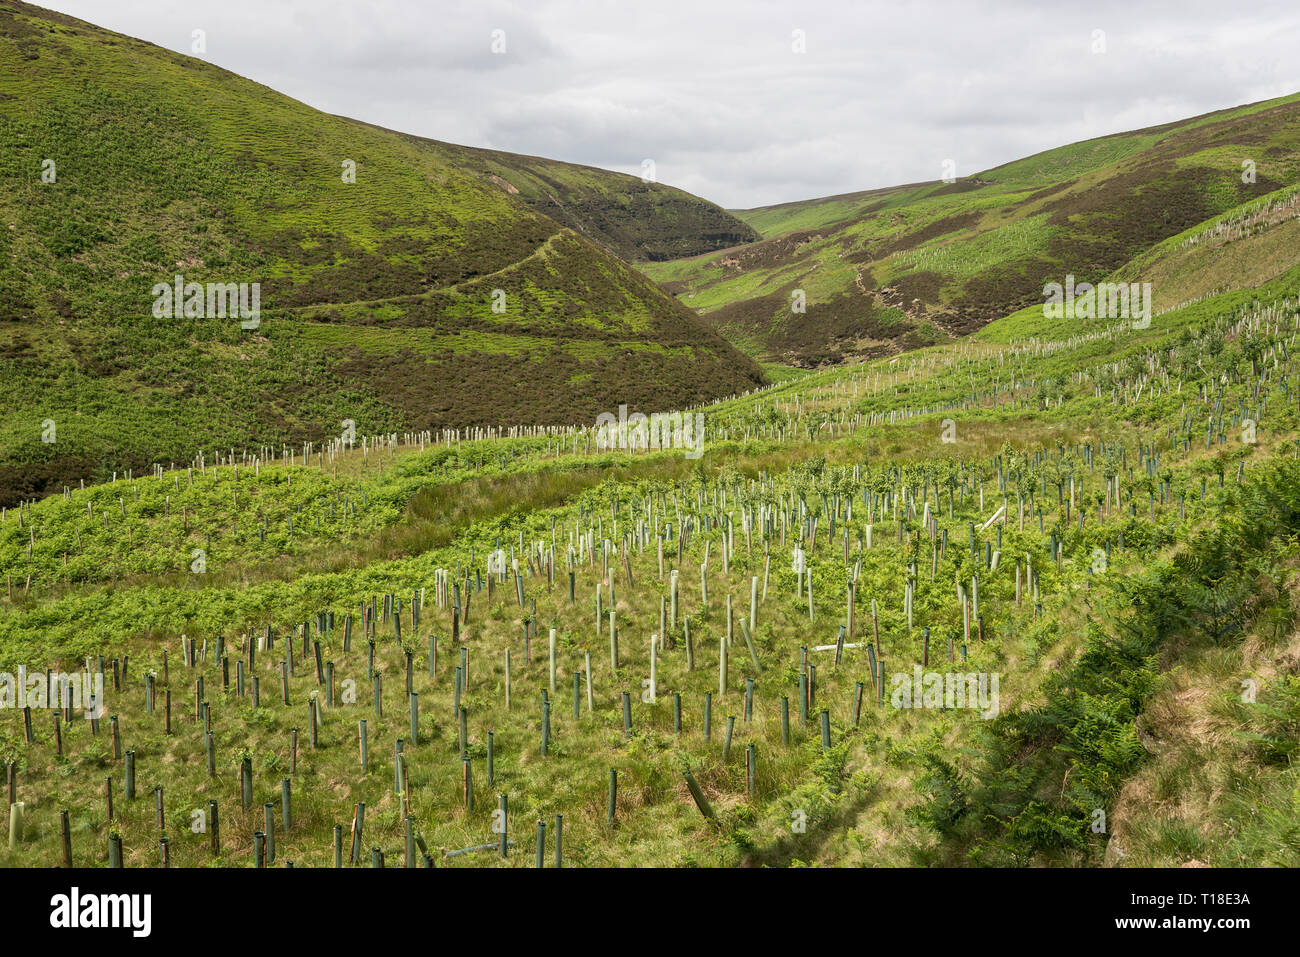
(531, 526)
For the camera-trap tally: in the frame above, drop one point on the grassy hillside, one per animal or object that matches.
(783, 218)
(419, 296)
(1105, 519)
(1094, 527)
(637, 220)
(901, 268)
(1246, 246)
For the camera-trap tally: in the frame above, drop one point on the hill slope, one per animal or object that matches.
(1102, 552)
(898, 268)
(1087, 532)
(637, 220)
(417, 296)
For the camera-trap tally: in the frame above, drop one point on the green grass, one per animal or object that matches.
(399, 300)
(898, 787)
(640, 221)
(1138, 488)
(958, 256)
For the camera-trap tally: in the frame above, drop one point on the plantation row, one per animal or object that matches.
(153, 527)
(708, 662)
(487, 621)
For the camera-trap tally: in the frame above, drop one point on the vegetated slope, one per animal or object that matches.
(1112, 530)
(1246, 247)
(638, 220)
(815, 213)
(894, 269)
(1115, 520)
(418, 296)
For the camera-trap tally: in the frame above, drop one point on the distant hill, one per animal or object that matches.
(423, 294)
(892, 269)
(639, 221)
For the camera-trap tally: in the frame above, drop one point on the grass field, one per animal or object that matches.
(371, 586)
(1120, 462)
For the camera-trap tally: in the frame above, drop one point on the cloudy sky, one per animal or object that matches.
(745, 102)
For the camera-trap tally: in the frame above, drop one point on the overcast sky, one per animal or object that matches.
(717, 94)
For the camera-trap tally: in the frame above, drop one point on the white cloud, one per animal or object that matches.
(713, 92)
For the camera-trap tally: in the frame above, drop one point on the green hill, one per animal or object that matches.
(420, 295)
(1110, 530)
(1027, 598)
(899, 268)
(1246, 246)
(1249, 246)
(637, 220)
